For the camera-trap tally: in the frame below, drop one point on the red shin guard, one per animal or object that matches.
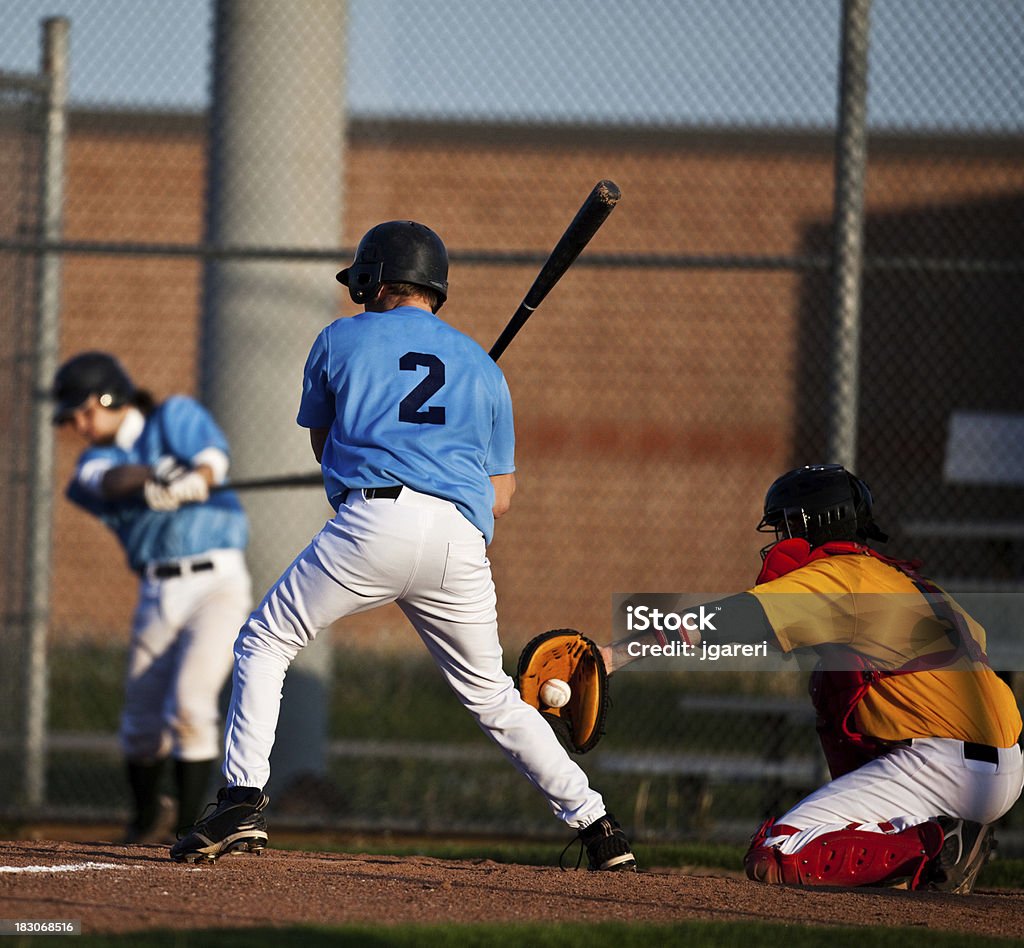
(848, 857)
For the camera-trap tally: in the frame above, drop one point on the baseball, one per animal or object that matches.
(555, 692)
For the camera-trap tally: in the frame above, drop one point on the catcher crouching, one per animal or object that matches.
(921, 736)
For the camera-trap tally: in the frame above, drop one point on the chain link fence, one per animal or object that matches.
(211, 190)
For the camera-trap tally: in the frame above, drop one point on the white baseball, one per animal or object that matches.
(555, 692)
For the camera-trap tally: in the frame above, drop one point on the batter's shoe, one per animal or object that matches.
(236, 825)
(607, 848)
(965, 850)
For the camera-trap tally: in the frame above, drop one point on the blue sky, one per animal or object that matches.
(946, 64)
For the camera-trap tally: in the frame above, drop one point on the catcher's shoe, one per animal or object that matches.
(965, 849)
(235, 825)
(607, 846)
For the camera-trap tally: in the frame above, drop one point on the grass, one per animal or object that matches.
(375, 696)
(402, 697)
(601, 935)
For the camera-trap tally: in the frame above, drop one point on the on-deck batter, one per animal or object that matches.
(412, 424)
(147, 474)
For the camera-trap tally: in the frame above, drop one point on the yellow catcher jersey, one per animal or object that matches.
(874, 609)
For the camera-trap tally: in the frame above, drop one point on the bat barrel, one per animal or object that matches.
(592, 214)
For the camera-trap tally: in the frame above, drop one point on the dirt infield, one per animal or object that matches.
(113, 888)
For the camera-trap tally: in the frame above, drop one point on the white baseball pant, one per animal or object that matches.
(909, 785)
(180, 657)
(419, 551)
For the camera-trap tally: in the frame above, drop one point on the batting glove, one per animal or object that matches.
(158, 497)
(190, 488)
(173, 485)
(167, 469)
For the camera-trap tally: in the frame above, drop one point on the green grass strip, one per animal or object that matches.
(593, 935)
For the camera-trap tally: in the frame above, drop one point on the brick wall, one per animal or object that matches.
(653, 405)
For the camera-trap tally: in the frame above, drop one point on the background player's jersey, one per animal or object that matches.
(182, 428)
(863, 604)
(409, 400)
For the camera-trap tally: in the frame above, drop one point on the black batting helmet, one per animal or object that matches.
(90, 373)
(820, 502)
(397, 252)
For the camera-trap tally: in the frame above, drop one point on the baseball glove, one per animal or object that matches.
(575, 659)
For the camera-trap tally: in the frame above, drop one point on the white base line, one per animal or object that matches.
(71, 867)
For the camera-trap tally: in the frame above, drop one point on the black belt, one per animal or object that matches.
(371, 493)
(170, 570)
(984, 752)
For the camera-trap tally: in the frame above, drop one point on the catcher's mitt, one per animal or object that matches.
(572, 657)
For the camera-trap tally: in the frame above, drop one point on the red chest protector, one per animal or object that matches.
(836, 691)
(788, 555)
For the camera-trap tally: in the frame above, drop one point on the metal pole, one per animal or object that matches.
(851, 161)
(47, 347)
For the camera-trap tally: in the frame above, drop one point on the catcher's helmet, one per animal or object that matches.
(90, 373)
(820, 502)
(397, 252)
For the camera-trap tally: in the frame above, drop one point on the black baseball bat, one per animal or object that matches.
(592, 214)
(312, 479)
(595, 210)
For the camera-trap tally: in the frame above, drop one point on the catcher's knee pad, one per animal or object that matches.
(848, 857)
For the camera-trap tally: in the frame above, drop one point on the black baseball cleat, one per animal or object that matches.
(236, 825)
(607, 848)
(965, 850)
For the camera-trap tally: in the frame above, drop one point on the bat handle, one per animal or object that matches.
(509, 332)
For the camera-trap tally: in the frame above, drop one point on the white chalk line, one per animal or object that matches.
(69, 867)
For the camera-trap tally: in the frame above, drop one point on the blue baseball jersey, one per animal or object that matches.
(179, 427)
(409, 400)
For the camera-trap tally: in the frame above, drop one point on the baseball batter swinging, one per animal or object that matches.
(411, 422)
(147, 474)
(921, 736)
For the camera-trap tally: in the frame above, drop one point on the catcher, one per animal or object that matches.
(921, 736)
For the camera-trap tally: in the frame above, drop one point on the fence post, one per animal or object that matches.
(56, 32)
(848, 251)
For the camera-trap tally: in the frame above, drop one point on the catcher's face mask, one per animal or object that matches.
(785, 524)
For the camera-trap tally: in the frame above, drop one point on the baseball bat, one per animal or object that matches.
(595, 210)
(312, 479)
(592, 214)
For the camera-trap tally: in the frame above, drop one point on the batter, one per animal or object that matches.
(412, 424)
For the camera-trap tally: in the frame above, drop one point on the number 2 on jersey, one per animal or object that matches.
(410, 408)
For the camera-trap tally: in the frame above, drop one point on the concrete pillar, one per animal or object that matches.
(275, 172)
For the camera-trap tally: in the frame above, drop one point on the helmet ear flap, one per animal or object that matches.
(362, 280)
